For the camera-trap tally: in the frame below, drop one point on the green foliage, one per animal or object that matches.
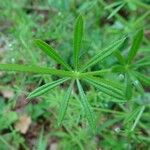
(107, 87)
(99, 76)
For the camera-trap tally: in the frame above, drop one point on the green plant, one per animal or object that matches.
(75, 73)
(130, 68)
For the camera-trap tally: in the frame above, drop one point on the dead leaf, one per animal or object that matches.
(53, 146)
(7, 94)
(23, 124)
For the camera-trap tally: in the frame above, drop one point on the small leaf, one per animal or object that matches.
(142, 62)
(33, 69)
(108, 87)
(115, 10)
(131, 115)
(64, 104)
(135, 46)
(87, 108)
(45, 88)
(78, 34)
(118, 69)
(143, 78)
(119, 57)
(103, 54)
(136, 83)
(51, 53)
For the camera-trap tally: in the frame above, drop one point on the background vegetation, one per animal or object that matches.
(121, 125)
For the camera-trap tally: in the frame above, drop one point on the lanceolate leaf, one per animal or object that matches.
(34, 69)
(45, 88)
(118, 69)
(78, 33)
(135, 46)
(87, 108)
(103, 54)
(142, 62)
(119, 57)
(51, 53)
(143, 78)
(136, 83)
(64, 104)
(108, 87)
(115, 10)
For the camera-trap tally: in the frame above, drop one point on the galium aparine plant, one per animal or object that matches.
(76, 74)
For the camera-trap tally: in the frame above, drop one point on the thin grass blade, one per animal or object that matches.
(46, 87)
(78, 34)
(87, 108)
(51, 53)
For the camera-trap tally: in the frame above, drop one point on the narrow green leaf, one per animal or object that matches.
(78, 34)
(51, 53)
(103, 54)
(34, 69)
(143, 78)
(142, 62)
(142, 108)
(128, 88)
(118, 69)
(108, 87)
(96, 73)
(64, 104)
(115, 4)
(45, 88)
(115, 10)
(87, 108)
(136, 83)
(131, 115)
(119, 57)
(135, 46)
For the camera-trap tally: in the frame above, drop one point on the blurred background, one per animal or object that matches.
(34, 125)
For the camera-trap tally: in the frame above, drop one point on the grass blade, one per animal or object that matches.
(135, 46)
(87, 108)
(34, 69)
(103, 54)
(108, 87)
(45, 88)
(64, 104)
(78, 34)
(51, 53)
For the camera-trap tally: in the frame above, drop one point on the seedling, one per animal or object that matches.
(76, 74)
